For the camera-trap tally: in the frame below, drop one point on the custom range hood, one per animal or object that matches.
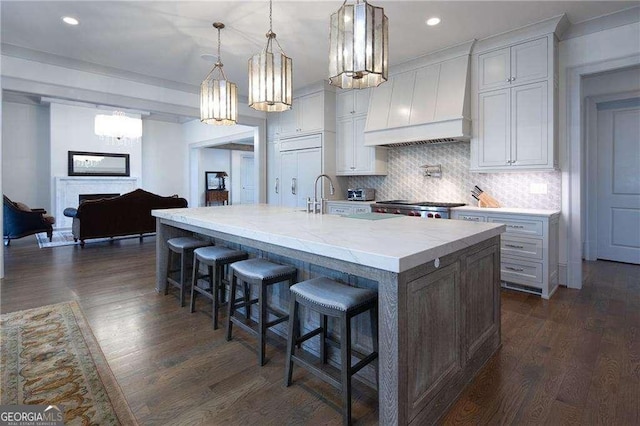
(425, 101)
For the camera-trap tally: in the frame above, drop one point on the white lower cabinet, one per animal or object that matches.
(528, 248)
(347, 207)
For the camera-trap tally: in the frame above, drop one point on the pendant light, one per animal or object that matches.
(358, 46)
(270, 76)
(218, 96)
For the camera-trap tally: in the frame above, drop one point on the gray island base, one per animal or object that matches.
(438, 284)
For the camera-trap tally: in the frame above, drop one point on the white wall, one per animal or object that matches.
(25, 154)
(72, 129)
(580, 57)
(163, 158)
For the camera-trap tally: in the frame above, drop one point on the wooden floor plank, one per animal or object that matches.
(574, 359)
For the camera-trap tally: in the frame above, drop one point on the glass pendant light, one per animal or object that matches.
(270, 76)
(358, 46)
(218, 96)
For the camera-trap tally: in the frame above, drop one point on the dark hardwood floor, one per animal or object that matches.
(572, 360)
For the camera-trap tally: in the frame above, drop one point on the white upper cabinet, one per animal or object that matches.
(305, 116)
(378, 112)
(522, 63)
(351, 103)
(514, 102)
(352, 157)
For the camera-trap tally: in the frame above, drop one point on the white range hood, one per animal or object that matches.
(426, 100)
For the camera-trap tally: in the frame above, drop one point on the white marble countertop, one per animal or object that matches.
(395, 244)
(508, 210)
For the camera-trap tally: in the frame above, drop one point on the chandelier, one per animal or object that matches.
(270, 76)
(218, 96)
(358, 46)
(117, 128)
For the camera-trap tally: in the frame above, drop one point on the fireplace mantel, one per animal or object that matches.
(67, 189)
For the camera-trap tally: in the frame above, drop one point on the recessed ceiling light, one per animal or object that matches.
(209, 57)
(433, 21)
(69, 20)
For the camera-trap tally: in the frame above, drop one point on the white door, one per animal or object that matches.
(529, 61)
(494, 69)
(273, 172)
(247, 184)
(618, 201)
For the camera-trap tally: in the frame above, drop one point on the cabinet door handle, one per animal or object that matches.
(473, 219)
(293, 186)
(353, 168)
(277, 188)
(516, 226)
(514, 269)
(514, 246)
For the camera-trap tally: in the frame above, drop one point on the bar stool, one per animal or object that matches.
(340, 301)
(263, 273)
(216, 258)
(184, 246)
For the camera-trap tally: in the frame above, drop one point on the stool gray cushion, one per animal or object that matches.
(179, 244)
(331, 294)
(260, 269)
(217, 253)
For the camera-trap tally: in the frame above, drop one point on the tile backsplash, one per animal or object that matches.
(406, 179)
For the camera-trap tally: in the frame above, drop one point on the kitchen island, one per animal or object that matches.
(438, 283)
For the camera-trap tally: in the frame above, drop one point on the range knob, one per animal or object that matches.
(437, 216)
(429, 214)
(397, 212)
(380, 210)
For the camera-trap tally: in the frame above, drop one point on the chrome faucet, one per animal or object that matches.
(315, 205)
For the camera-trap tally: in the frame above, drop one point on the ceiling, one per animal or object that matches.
(166, 39)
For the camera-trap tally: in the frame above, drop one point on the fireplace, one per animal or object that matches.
(85, 197)
(68, 190)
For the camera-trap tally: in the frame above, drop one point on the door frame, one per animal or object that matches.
(572, 139)
(590, 206)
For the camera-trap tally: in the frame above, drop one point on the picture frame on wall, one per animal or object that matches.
(98, 164)
(214, 180)
(211, 180)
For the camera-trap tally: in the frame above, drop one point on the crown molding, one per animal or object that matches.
(602, 23)
(76, 64)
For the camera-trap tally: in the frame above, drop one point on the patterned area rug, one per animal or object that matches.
(64, 237)
(50, 356)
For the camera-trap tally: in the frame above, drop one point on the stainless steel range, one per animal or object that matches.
(426, 209)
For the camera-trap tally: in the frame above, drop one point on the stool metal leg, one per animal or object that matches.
(323, 336)
(291, 340)
(194, 283)
(345, 370)
(247, 298)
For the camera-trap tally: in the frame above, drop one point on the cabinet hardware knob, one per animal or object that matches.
(508, 80)
(513, 79)
(514, 269)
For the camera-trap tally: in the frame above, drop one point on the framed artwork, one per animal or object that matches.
(214, 180)
(97, 164)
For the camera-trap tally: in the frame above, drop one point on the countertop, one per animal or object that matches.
(509, 210)
(395, 244)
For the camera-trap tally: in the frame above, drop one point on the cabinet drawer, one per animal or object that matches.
(360, 210)
(524, 227)
(471, 218)
(339, 210)
(525, 247)
(521, 271)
